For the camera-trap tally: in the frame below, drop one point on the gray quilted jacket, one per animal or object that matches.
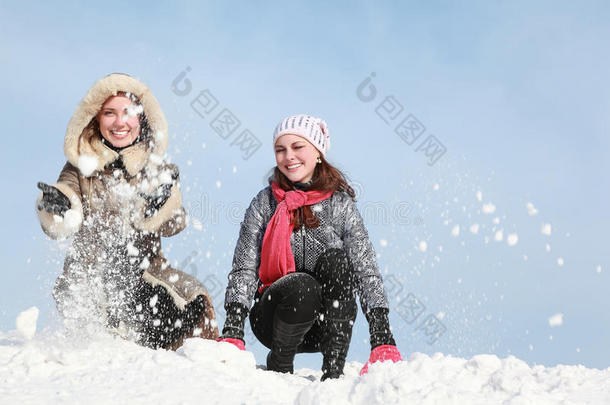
(341, 226)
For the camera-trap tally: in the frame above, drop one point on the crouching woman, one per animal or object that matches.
(302, 255)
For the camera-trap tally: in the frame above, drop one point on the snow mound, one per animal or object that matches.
(208, 351)
(59, 368)
(484, 379)
(26, 322)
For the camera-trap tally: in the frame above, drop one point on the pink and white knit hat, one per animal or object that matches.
(311, 128)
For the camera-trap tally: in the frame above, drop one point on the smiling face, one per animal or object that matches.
(296, 158)
(119, 121)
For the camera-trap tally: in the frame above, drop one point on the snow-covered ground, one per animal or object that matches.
(52, 367)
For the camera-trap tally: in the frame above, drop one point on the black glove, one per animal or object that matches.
(53, 200)
(159, 197)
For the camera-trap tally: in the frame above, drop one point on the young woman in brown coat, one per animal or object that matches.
(116, 197)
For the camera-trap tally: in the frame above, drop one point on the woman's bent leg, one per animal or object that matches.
(335, 273)
(165, 314)
(282, 316)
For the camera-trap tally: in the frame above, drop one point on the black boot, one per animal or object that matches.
(286, 339)
(337, 327)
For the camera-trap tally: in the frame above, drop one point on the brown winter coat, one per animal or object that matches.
(107, 216)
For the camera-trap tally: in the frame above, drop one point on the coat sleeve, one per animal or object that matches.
(170, 219)
(57, 226)
(361, 253)
(243, 278)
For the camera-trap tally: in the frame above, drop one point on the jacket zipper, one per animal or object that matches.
(303, 255)
(303, 243)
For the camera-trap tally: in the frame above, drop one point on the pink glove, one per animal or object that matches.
(382, 353)
(236, 342)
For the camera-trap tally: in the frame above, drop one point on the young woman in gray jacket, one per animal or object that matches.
(303, 254)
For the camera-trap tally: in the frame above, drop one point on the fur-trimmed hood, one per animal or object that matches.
(88, 153)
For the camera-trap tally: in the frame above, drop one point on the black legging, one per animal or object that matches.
(299, 297)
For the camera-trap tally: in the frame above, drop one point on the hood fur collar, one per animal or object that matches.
(85, 149)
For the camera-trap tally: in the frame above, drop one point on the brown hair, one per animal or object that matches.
(325, 177)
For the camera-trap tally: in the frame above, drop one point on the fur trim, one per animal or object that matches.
(135, 157)
(182, 287)
(171, 210)
(154, 281)
(82, 140)
(56, 226)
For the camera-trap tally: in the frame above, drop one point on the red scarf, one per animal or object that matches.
(276, 255)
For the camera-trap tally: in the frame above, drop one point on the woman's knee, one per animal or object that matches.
(336, 274)
(297, 297)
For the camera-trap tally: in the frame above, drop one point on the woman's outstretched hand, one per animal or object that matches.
(157, 199)
(235, 342)
(53, 200)
(382, 353)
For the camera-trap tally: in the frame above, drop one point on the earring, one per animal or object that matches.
(318, 160)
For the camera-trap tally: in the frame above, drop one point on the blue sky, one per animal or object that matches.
(517, 93)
